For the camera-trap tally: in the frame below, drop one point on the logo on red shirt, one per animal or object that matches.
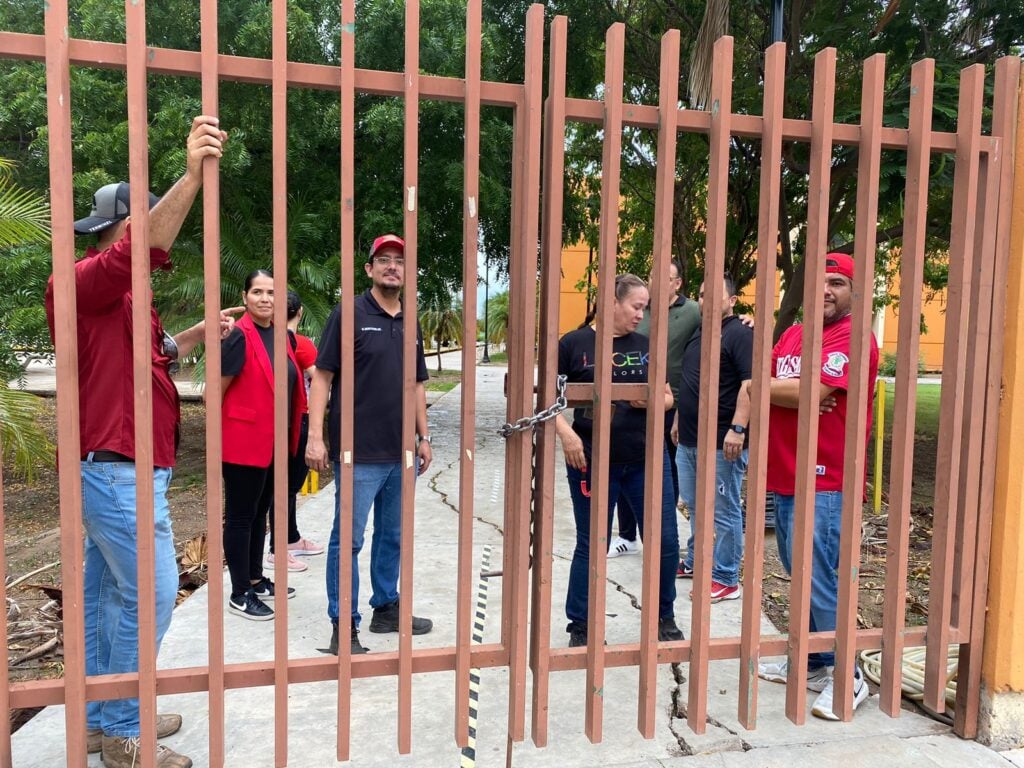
(835, 365)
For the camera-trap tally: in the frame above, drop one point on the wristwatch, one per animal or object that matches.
(739, 429)
(426, 439)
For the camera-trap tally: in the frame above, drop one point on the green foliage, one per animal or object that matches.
(441, 321)
(100, 146)
(22, 442)
(497, 318)
(887, 365)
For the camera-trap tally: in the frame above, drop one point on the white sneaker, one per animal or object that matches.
(621, 546)
(823, 704)
(778, 672)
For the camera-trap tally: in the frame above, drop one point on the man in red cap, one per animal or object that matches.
(379, 391)
(828, 497)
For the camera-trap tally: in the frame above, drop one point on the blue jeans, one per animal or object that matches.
(111, 590)
(625, 487)
(728, 551)
(379, 486)
(828, 509)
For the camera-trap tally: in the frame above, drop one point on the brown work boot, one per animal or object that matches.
(125, 753)
(166, 725)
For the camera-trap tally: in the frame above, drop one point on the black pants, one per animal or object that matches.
(297, 471)
(627, 521)
(247, 495)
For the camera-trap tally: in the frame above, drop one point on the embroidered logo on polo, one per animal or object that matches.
(835, 365)
(371, 328)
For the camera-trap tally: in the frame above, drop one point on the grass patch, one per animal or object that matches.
(498, 357)
(443, 381)
(926, 438)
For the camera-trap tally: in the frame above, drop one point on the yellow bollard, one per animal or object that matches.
(305, 486)
(314, 481)
(879, 435)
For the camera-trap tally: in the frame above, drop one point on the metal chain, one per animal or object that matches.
(529, 422)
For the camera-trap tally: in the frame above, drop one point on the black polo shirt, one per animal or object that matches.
(378, 380)
(734, 369)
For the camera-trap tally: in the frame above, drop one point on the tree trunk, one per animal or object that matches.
(792, 300)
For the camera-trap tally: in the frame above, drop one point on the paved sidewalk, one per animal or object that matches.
(872, 740)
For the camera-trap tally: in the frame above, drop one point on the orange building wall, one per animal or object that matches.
(572, 308)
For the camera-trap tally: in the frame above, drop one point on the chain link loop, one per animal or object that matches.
(529, 422)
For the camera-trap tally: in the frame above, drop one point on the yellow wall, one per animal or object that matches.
(572, 307)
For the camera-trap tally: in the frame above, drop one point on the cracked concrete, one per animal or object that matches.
(872, 740)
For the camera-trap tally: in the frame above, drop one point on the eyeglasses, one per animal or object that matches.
(383, 261)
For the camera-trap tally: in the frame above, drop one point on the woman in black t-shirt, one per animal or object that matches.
(626, 467)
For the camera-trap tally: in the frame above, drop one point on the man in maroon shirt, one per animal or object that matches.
(107, 424)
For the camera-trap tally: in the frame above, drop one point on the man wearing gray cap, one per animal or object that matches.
(107, 425)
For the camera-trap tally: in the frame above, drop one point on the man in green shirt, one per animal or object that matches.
(683, 320)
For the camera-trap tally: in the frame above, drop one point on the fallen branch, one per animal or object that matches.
(35, 653)
(28, 576)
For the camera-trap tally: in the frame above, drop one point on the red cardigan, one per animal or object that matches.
(247, 416)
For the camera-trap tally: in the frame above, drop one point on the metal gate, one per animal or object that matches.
(970, 384)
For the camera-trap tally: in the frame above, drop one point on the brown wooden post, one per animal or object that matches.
(467, 404)
(544, 491)
(657, 370)
(767, 249)
(947, 470)
(810, 382)
(901, 468)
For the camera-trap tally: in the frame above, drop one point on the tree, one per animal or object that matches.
(24, 222)
(99, 132)
(953, 32)
(497, 318)
(441, 322)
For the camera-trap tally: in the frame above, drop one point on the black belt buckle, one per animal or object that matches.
(110, 456)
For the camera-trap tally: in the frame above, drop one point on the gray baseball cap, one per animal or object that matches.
(110, 204)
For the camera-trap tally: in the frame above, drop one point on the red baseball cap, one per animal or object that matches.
(386, 241)
(840, 263)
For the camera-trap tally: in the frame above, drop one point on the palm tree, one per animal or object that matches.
(442, 323)
(24, 219)
(497, 318)
(713, 26)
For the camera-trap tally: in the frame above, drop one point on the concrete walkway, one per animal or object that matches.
(872, 740)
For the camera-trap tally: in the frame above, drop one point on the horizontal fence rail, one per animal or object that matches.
(973, 354)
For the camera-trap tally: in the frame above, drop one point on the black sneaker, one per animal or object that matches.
(577, 634)
(248, 606)
(667, 629)
(385, 619)
(265, 590)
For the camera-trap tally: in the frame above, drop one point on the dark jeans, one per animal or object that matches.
(297, 471)
(247, 495)
(626, 488)
(627, 520)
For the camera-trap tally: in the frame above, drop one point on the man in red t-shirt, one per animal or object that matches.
(103, 282)
(828, 497)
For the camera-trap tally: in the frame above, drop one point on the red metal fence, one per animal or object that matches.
(970, 384)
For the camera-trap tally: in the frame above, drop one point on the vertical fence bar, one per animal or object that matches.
(599, 465)
(767, 250)
(861, 383)
(710, 354)
(410, 317)
(58, 120)
(901, 466)
(533, 79)
(346, 392)
(214, 444)
(142, 369)
(810, 382)
(951, 402)
(279, 176)
(1004, 126)
(551, 263)
(657, 370)
(979, 322)
(467, 404)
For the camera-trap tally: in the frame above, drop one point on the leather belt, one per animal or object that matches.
(108, 456)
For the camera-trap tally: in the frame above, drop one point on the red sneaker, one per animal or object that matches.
(720, 592)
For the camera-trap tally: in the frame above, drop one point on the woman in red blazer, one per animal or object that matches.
(247, 419)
